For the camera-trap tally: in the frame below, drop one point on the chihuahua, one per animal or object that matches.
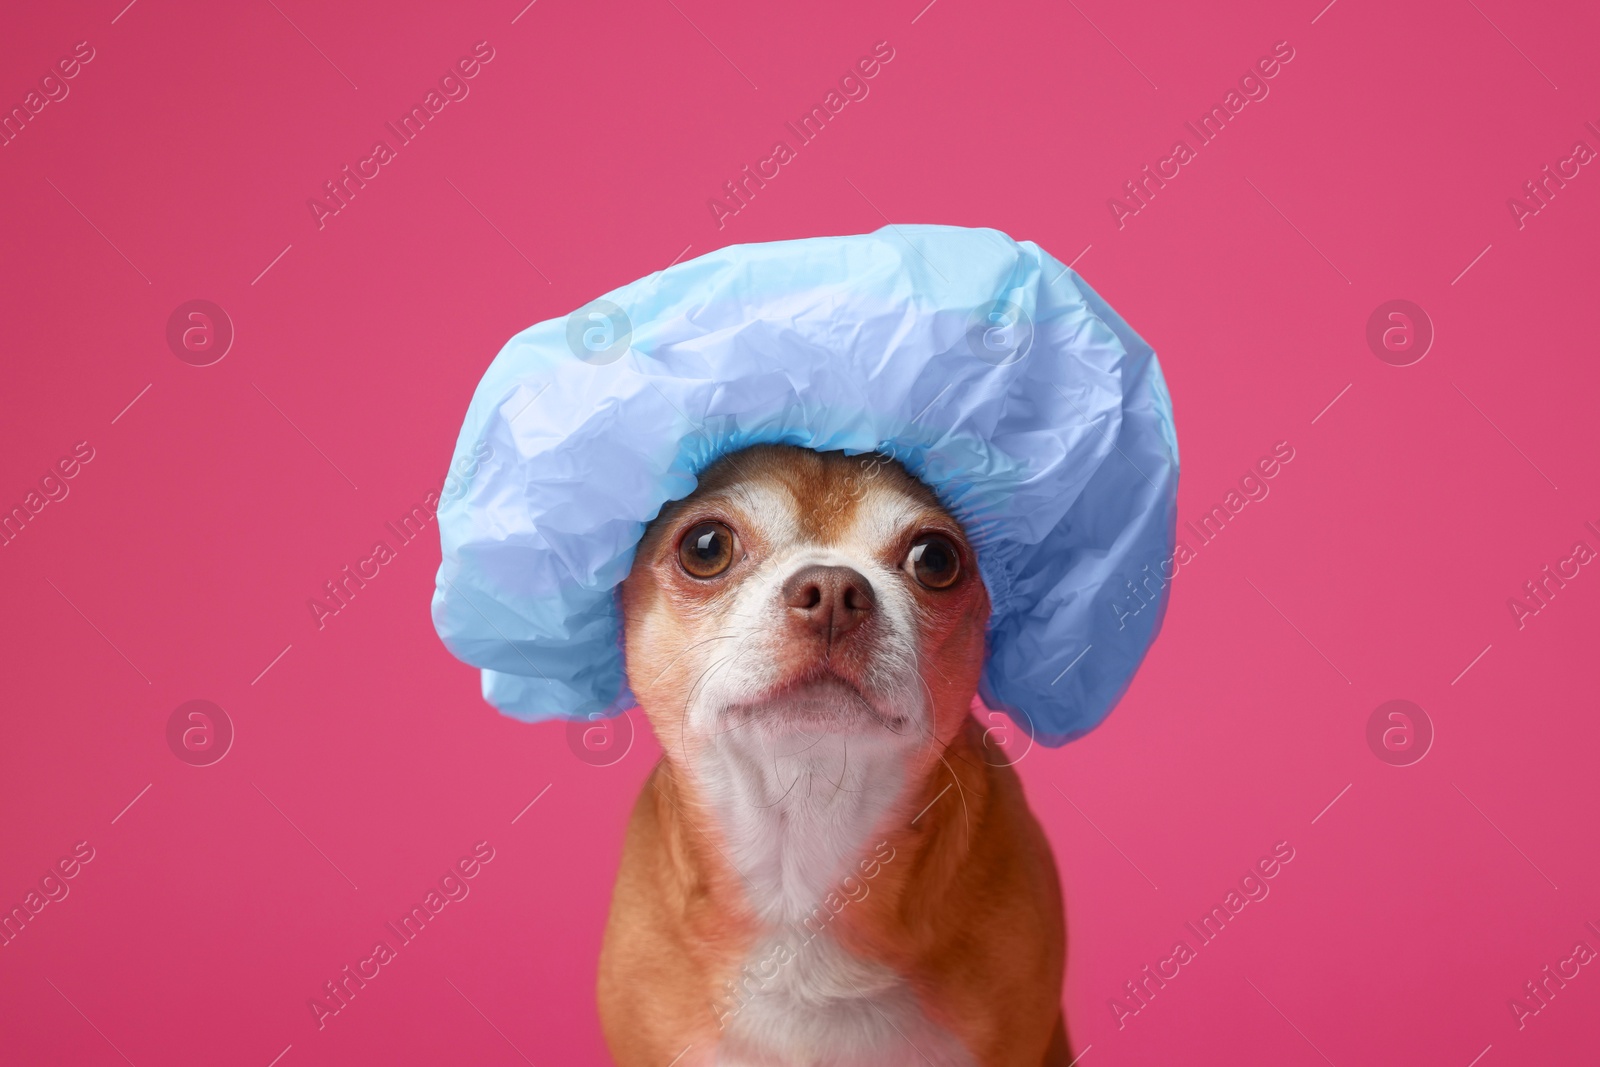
(830, 864)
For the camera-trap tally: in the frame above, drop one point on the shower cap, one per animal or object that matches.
(988, 369)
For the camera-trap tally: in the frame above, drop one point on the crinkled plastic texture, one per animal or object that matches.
(991, 371)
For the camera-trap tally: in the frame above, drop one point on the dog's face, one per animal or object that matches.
(798, 594)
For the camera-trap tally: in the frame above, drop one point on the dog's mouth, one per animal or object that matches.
(820, 700)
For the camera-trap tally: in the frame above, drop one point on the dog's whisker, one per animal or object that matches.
(844, 768)
(705, 677)
(786, 792)
(689, 648)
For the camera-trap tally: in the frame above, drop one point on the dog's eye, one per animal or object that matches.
(706, 550)
(934, 561)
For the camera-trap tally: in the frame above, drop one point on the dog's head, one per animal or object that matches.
(798, 593)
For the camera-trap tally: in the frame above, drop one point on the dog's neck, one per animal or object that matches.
(792, 821)
(795, 815)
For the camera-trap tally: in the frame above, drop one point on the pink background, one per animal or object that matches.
(1378, 568)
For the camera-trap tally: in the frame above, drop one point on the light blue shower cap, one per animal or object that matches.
(992, 372)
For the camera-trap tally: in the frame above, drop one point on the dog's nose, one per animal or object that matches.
(832, 600)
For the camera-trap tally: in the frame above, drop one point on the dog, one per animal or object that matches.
(829, 865)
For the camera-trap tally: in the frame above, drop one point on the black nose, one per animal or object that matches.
(831, 600)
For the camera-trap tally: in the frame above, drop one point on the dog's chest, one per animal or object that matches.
(802, 829)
